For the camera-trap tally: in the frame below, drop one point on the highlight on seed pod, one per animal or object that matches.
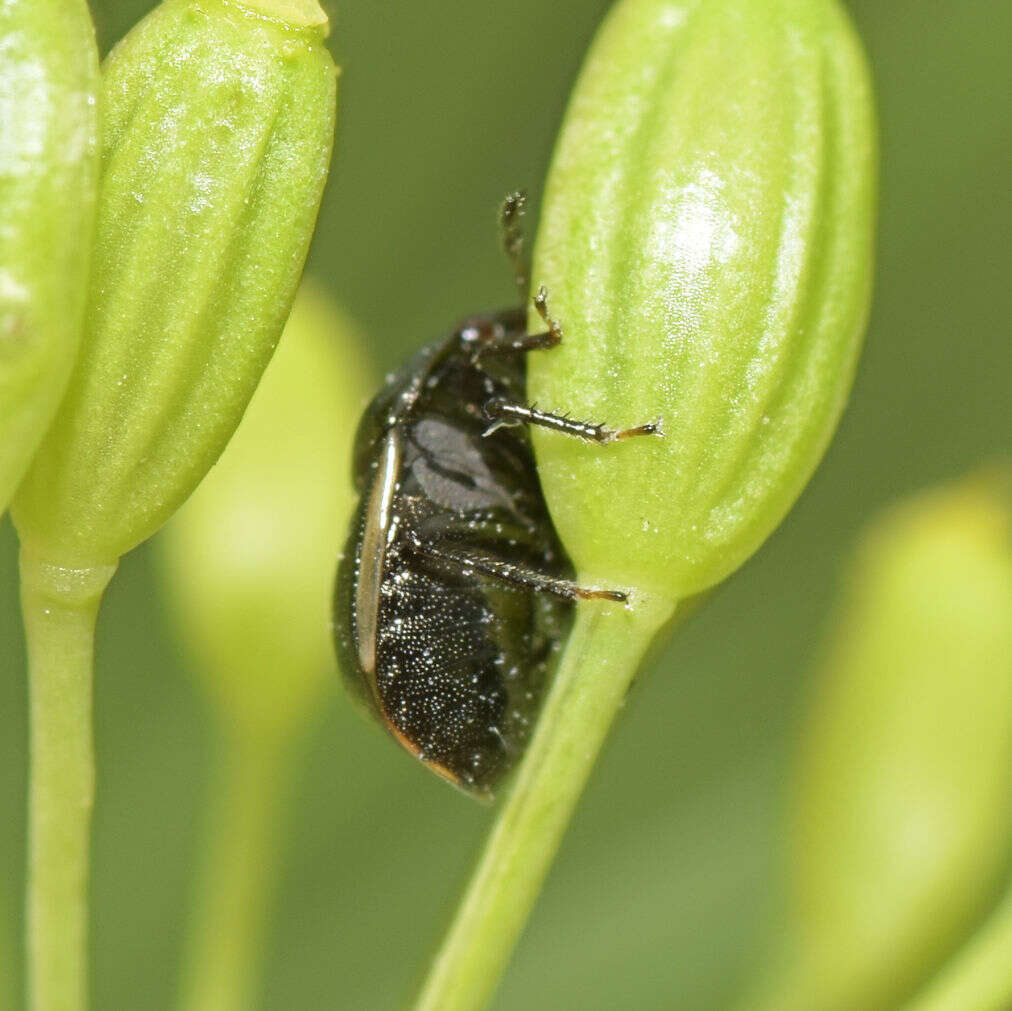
(706, 247)
(218, 126)
(248, 560)
(49, 84)
(901, 812)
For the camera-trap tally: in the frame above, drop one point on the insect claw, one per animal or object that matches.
(651, 428)
(594, 594)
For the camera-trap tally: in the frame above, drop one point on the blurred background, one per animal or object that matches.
(665, 883)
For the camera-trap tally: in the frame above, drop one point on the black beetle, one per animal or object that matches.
(453, 592)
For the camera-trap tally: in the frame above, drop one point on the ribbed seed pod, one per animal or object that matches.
(218, 129)
(249, 558)
(706, 245)
(49, 83)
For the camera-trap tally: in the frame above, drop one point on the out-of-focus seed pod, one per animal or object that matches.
(249, 559)
(248, 563)
(49, 85)
(218, 127)
(903, 811)
(706, 245)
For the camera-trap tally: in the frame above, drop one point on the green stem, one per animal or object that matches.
(233, 890)
(602, 655)
(980, 977)
(59, 606)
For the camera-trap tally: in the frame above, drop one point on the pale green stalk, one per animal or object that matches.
(601, 658)
(60, 606)
(228, 929)
(980, 977)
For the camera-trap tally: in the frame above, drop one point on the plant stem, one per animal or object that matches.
(233, 890)
(980, 977)
(59, 606)
(601, 657)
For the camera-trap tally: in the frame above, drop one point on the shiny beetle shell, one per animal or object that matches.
(452, 660)
(454, 592)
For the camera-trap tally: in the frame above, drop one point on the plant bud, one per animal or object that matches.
(249, 558)
(706, 246)
(49, 84)
(217, 134)
(903, 812)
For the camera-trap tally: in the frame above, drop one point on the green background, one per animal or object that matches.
(665, 883)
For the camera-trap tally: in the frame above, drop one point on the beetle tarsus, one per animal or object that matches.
(541, 304)
(593, 594)
(514, 244)
(650, 428)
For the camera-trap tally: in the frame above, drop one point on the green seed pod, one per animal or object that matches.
(249, 558)
(218, 125)
(49, 85)
(706, 245)
(903, 810)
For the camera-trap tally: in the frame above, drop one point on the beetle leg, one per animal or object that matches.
(506, 331)
(541, 304)
(513, 240)
(502, 333)
(502, 412)
(466, 561)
